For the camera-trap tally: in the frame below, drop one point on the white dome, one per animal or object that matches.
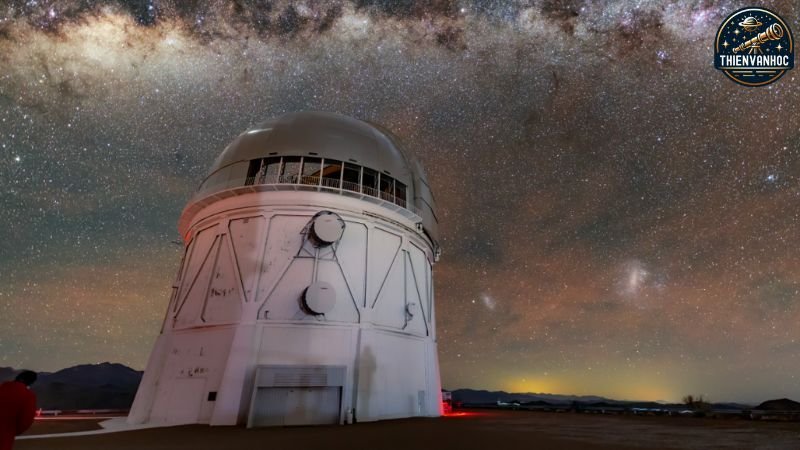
(330, 136)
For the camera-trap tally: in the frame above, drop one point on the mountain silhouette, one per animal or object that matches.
(86, 386)
(781, 404)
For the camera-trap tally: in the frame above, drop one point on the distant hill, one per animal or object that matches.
(480, 397)
(782, 404)
(731, 406)
(87, 386)
(7, 373)
(491, 397)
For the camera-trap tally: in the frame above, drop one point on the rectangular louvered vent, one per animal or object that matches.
(301, 377)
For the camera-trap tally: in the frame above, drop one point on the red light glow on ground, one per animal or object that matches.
(464, 414)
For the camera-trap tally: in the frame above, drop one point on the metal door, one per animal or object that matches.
(277, 406)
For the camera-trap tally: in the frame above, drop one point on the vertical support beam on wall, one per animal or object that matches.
(434, 402)
(146, 393)
(229, 394)
(356, 347)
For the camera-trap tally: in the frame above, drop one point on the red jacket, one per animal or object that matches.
(17, 409)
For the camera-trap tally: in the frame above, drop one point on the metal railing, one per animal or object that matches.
(329, 184)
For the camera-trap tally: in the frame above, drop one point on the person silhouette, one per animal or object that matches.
(17, 407)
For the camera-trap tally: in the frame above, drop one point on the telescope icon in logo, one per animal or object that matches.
(773, 33)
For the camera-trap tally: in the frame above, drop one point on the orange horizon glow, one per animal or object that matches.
(639, 386)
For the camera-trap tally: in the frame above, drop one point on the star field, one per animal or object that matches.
(618, 217)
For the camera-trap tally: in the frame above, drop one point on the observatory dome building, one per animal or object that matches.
(305, 293)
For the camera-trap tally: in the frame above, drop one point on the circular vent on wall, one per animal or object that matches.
(319, 298)
(327, 227)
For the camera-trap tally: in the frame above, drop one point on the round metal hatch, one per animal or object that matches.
(327, 227)
(319, 298)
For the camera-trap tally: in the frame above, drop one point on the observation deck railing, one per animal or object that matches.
(320, 184)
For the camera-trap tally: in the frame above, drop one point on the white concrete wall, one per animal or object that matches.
(236, 304)
(191, 368)
(392, 373)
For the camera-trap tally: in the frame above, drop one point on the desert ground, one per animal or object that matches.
(471, 429)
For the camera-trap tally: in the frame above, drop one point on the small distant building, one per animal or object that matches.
(305, 294)
(447, 402)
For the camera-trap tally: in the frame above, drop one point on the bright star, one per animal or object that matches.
(17, 158)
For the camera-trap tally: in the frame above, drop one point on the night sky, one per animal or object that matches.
(618, 217)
